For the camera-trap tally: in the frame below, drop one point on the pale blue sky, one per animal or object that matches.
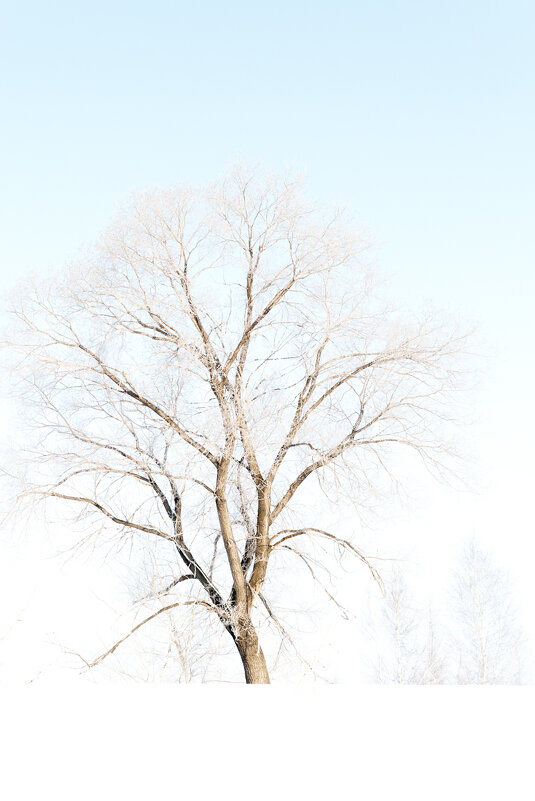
(418, 116)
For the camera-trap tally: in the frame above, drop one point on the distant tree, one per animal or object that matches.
(487, 637)
(216, 354)
(479, 639)
(407, 648)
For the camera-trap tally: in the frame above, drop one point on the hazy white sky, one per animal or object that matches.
(418, 116)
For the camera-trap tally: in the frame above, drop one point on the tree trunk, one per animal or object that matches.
(252, 657)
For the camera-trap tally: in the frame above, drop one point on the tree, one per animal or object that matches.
(408, 651)
(215, 354)
(478, 641)
(487, 637)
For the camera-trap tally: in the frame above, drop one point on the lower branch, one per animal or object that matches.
(147, 620)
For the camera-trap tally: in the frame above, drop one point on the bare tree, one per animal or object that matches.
(478, 641)
(487, 637)
(217, 353)
(407, 648)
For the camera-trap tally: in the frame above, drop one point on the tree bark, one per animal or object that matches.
(252, 657)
